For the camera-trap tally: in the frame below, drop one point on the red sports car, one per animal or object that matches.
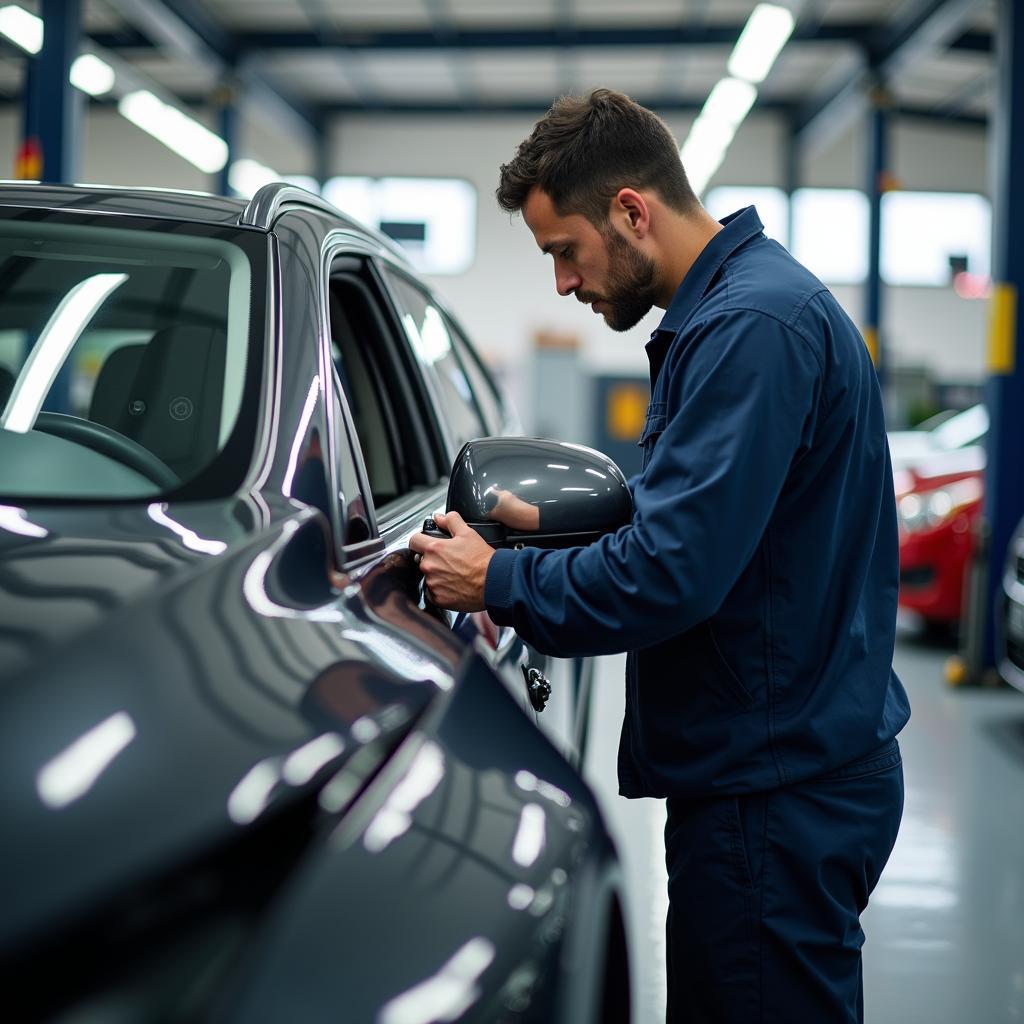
(939, 504)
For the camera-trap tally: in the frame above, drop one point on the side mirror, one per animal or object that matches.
(517, 491)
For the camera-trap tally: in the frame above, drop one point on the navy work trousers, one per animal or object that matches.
(766, 892)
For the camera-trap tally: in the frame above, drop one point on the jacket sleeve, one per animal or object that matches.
(743, 392)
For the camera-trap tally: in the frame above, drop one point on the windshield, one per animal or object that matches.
(966, 428)
(123, 354)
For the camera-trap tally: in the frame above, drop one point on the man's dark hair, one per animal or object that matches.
(586, 148)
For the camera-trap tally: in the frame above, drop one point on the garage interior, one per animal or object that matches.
(884, 145)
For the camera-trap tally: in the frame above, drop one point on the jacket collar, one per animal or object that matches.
(737, 229)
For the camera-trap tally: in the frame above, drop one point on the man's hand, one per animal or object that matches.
(455, 570)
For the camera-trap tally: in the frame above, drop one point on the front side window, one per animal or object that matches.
(125, 355)
(427, 330)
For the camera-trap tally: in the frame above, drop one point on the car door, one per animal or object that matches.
(385, 414)
(469, 406)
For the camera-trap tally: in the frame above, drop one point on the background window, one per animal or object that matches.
(772, 206)
(830, 233)
(922, 231)
(433, 219)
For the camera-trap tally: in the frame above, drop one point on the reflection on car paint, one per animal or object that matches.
(157, 511)
(448, 994)
(15, 520)
(530, 835)
(248, 800)
(529, 783)
(393, 820)
(73, 772)
(293, 455)
(301, 765)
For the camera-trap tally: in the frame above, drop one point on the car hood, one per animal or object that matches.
(942, 467)
(168, 677)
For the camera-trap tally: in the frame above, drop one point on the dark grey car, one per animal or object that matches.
(247, 773)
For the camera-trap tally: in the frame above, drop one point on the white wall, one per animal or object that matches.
(509, 293)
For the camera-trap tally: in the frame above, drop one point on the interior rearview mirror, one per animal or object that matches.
(517, 491)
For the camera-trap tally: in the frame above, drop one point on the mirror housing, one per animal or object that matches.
(529, 491)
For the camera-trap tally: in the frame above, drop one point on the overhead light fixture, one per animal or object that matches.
(92, 75)
(247, 177)
(760, 42)
(762, 38)
(22, 28)
(711, 134)
(175, 129)
(729, 102)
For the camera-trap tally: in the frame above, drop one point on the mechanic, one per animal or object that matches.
(755, 589)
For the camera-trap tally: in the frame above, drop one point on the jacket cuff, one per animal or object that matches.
(498, 586)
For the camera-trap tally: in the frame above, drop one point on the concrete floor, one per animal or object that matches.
(945, 927)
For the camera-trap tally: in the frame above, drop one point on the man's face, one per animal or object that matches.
(601, 268)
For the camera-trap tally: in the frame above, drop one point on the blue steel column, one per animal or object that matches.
(878, 156)
(791, 175)
(228, 129)
(59, 109)
(1004, 475)
(322, 161)
(58, 103)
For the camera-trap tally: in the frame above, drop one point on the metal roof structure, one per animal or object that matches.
(318, 58)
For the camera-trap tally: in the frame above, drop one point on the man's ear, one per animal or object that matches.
(630, 210)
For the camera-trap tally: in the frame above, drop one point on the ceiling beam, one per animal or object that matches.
(184, 29)
(560, 36)
(928, 26)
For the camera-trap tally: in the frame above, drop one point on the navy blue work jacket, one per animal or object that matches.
(755, 588)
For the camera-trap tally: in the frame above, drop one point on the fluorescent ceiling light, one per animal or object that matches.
(176, 130)
(729, 101)
(247, 177)
(712, 133)
(700, 165)
(763, 36)
(22, 28)
(58, 337)
(92, 75)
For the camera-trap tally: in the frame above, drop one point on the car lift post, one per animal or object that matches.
(53, 111)
(877, 175)
(58, 102)
(1004, 470)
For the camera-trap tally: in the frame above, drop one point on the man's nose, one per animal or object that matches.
(567, 281)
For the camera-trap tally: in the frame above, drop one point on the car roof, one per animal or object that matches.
(142, 202)
(178, 204)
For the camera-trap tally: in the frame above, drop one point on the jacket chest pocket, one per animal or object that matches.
(654, 427)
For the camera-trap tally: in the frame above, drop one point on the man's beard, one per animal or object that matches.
(630, 292)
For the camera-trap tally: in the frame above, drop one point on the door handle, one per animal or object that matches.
(538, 687)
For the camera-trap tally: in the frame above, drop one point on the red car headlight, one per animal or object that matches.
(924, 510)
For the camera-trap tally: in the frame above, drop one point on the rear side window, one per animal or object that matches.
(428, 331)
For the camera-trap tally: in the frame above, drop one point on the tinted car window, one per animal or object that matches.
(428, 332)
(484, 390)
(386, 412)
(123, 355)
